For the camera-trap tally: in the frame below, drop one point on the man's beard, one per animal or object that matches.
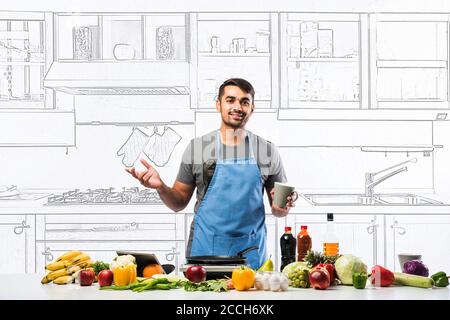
(235, 124)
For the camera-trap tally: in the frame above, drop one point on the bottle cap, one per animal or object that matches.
(330, 217)
(304, 227)
(287, 229)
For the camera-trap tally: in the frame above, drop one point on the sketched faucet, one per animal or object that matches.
(371, 183)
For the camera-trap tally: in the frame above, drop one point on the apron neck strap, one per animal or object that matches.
(219, 145)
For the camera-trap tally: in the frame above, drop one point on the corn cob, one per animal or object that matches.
(63, 280)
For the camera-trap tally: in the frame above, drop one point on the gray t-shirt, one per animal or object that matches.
(200, 157)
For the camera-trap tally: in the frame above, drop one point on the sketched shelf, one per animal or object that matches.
(21, 63)
(407, 149)
(117, 61)
(323, 59)
(411, 63)
(236, 55)
(332, 113)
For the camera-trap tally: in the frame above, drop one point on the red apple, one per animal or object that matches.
(196, 274)
(105, 278)
(319, 278)
(86, 277)
(330, 268)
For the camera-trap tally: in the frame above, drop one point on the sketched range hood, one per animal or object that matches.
(116, 78)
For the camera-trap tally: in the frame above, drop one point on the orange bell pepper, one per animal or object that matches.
(124, 275)
(243, 278)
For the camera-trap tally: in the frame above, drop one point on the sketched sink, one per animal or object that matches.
(389, 199)
(338, 199)
(405, 199)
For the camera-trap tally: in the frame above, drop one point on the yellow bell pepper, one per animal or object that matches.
(124, 275)
(243, 278)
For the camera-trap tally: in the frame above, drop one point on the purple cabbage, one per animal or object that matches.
(416, 267)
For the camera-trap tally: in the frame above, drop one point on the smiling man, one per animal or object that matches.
(230, 167)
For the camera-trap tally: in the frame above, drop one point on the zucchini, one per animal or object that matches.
(413, 280)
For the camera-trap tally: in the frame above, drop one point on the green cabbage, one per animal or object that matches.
(346, 266)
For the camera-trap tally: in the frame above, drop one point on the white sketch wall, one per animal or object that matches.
(82, 95)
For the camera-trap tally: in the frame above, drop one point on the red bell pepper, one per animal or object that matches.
(329, 268)
(381, 277)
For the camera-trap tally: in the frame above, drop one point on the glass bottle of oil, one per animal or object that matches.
(331, 243)
(304, 243)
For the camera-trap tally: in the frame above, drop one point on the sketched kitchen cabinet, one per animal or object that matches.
(227, 45)
(119, 37)
(28, 116)
(100, 235)
(17, 243)
(409, 64)
(25, 55)
(131, 67)
(425, 234)
(357, 234)
(323, 61)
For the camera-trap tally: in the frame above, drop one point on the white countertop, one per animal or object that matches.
(29, 287)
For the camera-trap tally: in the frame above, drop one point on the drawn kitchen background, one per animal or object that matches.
(341, 94)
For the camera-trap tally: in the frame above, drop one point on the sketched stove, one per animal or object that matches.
(106, 196)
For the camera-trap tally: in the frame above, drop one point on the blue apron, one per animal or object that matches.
(231, 216)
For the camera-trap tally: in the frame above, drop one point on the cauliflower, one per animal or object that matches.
(122, 261)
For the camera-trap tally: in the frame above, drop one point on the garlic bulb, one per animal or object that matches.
(274, 282)
(265, 280)
(259, 281)
(284, 282)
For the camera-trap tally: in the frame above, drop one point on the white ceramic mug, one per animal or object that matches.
(282, 191)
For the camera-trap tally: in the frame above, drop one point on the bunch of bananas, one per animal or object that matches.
(65, 269)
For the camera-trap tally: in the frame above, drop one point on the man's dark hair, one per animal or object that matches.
(242, 84)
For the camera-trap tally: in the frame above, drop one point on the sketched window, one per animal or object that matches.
(22, 63)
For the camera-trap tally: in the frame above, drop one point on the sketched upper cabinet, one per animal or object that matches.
(410, 61)
(23, 59)
(321, 60)
(121, 37)
(227, 45)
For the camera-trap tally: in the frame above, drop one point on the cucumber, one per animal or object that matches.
(413, 280)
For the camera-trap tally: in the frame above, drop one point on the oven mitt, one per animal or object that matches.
(159, 147)
(132, 148)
